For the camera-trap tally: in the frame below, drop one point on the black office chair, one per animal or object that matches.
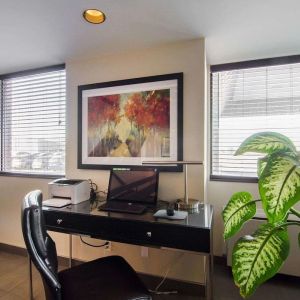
(104, 278)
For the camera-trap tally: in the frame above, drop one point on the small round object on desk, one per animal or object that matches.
(170, 211)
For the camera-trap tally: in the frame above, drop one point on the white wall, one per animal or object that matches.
(218, 195)
(12, 191)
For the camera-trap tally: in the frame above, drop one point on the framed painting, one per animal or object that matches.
(124, 123)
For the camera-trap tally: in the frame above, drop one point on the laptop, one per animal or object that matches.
(131, 190)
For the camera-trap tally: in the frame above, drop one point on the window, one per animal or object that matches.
(250, 97)
(32, 115)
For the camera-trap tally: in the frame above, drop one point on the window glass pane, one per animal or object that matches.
(34, 123)
(247, 101)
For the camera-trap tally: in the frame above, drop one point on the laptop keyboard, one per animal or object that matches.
(131, 208)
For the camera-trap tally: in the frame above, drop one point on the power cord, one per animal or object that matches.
(93, 192)
(94, 200)
(95, 246)
(156, 291)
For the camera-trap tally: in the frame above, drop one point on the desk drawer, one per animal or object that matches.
(131, 231)
(62, 222)
(172, 236)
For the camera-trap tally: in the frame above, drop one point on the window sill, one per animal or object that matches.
(233, 179)
(42, 176)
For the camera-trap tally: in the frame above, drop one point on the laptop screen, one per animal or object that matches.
(133, 185)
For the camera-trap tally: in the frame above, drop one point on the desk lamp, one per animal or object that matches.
(185, 203)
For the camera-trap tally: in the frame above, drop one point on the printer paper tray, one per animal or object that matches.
(57, 202)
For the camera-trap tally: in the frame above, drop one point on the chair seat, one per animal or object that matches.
(108, 278)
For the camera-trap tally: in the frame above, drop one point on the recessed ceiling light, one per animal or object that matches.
(94, 16)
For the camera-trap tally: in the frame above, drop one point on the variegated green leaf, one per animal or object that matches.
(261, 163)
(266, 142)
(258, 257)
(238, 210)
(279, 186)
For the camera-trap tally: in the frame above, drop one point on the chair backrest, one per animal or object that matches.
(40, 246)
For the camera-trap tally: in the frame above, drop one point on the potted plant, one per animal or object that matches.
(259, 256)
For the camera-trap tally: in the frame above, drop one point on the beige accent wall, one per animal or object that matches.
(187, 57)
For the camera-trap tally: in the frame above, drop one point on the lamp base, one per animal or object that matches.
(191, 206)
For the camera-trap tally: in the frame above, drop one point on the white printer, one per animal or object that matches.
(74, 190)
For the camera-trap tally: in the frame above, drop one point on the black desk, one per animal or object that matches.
(192, 234)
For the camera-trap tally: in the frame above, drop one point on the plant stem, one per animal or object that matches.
(288, 224)
(295, 212)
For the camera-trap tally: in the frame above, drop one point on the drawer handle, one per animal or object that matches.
(149, 233)
(59, 221)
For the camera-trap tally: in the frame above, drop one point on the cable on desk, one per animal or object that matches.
(95, 194)
(93, 191)
(95, 246)
(104, 193)
(156, 291)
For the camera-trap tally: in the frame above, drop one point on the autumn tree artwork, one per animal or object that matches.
(129, 124)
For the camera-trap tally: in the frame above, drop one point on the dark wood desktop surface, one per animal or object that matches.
(193, 234)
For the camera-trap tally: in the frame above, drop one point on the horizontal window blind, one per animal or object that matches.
(33, 123)
(247, 101)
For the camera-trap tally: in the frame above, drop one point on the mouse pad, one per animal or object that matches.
(178, 215)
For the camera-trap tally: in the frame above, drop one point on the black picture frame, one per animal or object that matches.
(168, 83)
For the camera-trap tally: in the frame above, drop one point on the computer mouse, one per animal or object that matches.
(170, 210)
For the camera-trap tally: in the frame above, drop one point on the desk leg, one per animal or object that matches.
(210, 262)
(70, 250)
(30, 278)
(211, 273)
(208, 268)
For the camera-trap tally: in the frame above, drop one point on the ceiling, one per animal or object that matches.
(36, 33)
